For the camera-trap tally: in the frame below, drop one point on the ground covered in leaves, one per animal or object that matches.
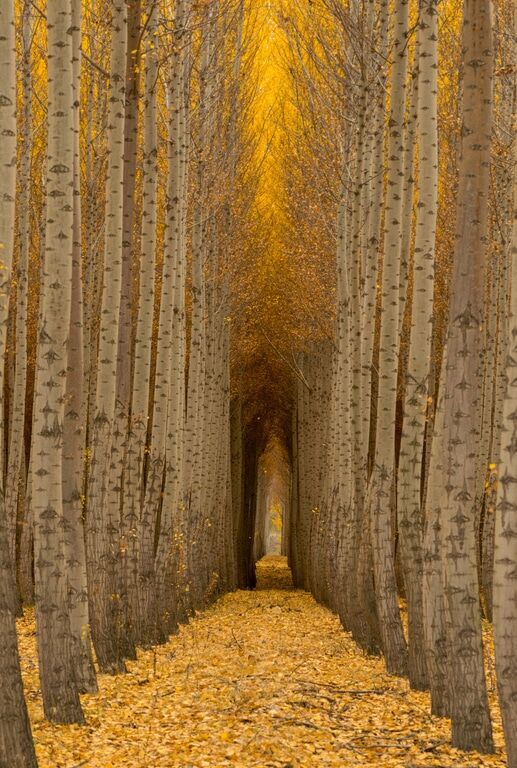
(265, 679)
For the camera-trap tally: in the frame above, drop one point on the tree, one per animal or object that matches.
(74, 427)
(103, 507)
(410, 508)
(505, 556)
(461, 392)
(125, 324)
(163, 490)
(380, 489)
(51, 529)
(135, 464)
(16, 476)
(16, 747)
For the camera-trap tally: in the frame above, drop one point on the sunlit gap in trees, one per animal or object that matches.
(272, 505)
(267, 366)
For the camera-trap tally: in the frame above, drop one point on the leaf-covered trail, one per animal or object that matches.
(263, 678)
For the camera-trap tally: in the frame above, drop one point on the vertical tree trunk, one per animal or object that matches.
(132, 94)
(505, 556)
(16, 747)
(371, 261)
(16, 476)
(380, 491)
(410, 513)
(51, 532)
(18, 481)
(408, 186)
(195, 454)
(163, 499)
(74, 427)
(103, 510)
(501, 235)
(125, 324)
(462, 382)
(134, 478)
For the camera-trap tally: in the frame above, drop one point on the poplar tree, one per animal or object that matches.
(381, 483)
(52, 530)
(103, 500)
(16, 747)
(461, 389)
(410, 508)
(505, 555)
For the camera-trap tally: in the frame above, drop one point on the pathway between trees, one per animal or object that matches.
(265, 678)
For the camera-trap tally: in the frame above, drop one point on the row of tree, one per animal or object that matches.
(122, 199)
(406, 406)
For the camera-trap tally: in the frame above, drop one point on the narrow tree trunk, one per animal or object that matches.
(433, 594)
(382, 479)
(125, 325)
(134, 478)
(74, 428)
(163, 500)
(410, 513)
(16, 477)
(51, 532)
(505, 556)
(195, 454)
(462, 380)
(16, 747)
(103, 510)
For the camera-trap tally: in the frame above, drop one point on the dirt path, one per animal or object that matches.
(263, 678)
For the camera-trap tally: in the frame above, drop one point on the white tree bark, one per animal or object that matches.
(505, 555)
(163, 495)
(134, 477)
(103, 510)
(380, 490)
(74, 428)
(410, 513)
(51, 531)
(16, 477)
(461, 387)
(16, 748)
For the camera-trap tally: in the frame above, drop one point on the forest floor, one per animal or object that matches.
(266, 679)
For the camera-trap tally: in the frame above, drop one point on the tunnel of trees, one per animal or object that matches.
(257, 295)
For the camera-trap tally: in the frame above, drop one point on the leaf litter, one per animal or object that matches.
(262, 679)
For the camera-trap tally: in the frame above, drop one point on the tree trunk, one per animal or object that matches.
(134, 477)
(382, 478)
(51, 532)
(410, 511)
(16, 747)
(16, 477)
(74, 428)
(103, 507)
(461, 383)
(505, 556)
(125, 357)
